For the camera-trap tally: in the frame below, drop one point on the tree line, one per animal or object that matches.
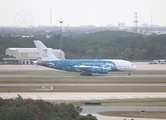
(98, 45)
(28, 109)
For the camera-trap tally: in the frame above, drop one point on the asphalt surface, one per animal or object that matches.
(78, 76)
(96, 109)
(83, 84)
(100, 117)
(139, 65)
(81, 96)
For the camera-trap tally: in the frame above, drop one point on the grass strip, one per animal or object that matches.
(158, 115)
(129, 102)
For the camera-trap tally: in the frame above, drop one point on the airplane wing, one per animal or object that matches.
(87, 70)
(83, 67)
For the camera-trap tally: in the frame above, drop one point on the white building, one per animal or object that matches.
(27, 55)
(121, 26)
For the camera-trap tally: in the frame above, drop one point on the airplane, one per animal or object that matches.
(85, 66)
(34, 62)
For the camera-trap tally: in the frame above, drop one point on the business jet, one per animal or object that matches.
(84, 66)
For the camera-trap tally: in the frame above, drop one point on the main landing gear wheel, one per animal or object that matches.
(86, 73)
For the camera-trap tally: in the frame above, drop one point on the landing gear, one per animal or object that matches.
(129, 73)
(86, 73)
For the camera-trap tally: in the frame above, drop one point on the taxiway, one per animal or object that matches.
(82, 84)
(77, 96)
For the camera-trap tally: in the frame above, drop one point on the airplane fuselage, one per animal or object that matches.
(94, 65)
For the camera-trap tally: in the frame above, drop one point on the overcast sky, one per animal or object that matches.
(82, 12)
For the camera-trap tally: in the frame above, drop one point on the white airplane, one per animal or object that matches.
(34, 62)
(85, 66)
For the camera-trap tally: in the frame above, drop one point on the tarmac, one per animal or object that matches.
(139, 65)
(83, 96)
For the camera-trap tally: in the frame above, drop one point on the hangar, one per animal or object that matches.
(28, 55)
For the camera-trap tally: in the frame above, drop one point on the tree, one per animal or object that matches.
(102, 44)
(28, 109)
(87, 117)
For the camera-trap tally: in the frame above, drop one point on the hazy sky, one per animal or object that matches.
(82, 12)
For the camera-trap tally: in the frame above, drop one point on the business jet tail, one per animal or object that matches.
(45, 53)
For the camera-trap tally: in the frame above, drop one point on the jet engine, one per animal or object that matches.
(99, 70)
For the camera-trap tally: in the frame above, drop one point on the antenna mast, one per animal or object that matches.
(136, 21)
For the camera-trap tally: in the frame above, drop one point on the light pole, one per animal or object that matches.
(61, 39)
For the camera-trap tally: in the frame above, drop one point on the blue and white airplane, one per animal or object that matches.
(85, 66)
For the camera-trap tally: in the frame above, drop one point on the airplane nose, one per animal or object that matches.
(134, 67)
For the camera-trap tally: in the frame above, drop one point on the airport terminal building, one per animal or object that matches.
(28, 55)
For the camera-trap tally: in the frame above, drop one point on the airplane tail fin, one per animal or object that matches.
(45, 53)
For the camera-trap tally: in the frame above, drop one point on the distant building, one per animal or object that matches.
(87, 26)
(145, 25)
(121, 26)
(28, 55)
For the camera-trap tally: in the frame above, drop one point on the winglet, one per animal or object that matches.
(45, 53)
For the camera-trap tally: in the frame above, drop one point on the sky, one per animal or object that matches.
(82, 12)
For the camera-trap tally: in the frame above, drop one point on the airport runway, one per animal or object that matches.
(83, 84)
(78, 76)
(96, 109)
(100, 117)
(81, 96)
(140, 66)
